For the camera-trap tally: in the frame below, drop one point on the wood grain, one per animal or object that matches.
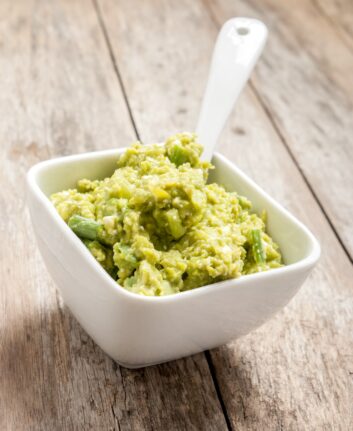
(340, 14)
(304, 82)
(294, 373)
(60, 95)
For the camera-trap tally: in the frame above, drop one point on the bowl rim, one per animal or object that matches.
(305, 263)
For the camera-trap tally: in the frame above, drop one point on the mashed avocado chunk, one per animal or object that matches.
(158, 228)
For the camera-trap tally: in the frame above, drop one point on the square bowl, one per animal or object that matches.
(136, 330)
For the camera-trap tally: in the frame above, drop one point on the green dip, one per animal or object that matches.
(158, 228)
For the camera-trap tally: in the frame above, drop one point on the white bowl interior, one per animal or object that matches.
(63, 173)
(292, 237)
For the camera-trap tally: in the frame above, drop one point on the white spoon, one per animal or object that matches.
(239, 45)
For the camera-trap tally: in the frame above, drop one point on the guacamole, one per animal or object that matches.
(158, 228)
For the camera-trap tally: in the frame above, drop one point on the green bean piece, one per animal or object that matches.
(83, 227)
(257, 247)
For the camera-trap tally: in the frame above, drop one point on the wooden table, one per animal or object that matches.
(78, 76)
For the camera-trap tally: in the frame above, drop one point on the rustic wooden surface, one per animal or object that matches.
(80, 75)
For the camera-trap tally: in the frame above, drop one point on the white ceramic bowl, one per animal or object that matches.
(138, 331)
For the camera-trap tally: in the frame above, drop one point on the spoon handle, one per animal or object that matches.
(239, 45)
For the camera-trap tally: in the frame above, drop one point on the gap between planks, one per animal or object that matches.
(133, 122)
(218, 390)
(115, 65)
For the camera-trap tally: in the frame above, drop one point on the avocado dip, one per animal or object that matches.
(158, 228)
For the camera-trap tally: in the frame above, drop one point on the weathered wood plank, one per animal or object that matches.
(59, 95)
(295, 372)
(304, 80)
